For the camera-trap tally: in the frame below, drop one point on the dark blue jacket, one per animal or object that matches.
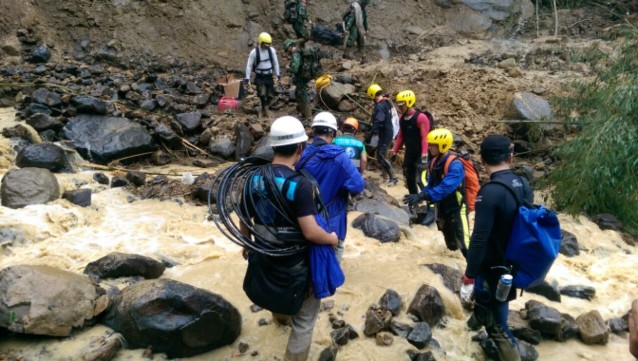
(337, 177)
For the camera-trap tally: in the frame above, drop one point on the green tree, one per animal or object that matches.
(597, 170)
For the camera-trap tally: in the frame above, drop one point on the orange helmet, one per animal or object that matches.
(354, 123)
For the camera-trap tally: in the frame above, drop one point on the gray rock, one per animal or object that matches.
(39, 54)
(527, 351)
(400, 329)
(223, 147)
(608, 221)
(168, 136)
(593, 330)
(420, 335)
(329, 353)
(103, 139)
(25, 186)
(332, 94)
(173, 317)
(89, 105)
(549, 291)
(521, 329)
(101, 178)
(617, 325)
(529, 106)
(385, 230)
(376, 320)
(116, 264)
(41, 122)
(44, 155)
(378, 206)
(545, 319)
(568, 328)
(80, 197)
(451, 277)
(391, 301)
(427, 305)
(160, 157)
(579, 291)
(137, 178)
(119, 181)
(384, 339)
(569, 244)
(46, 97)
(263, 149)
(41, 300)
(190, 121)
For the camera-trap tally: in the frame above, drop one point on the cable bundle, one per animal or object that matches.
(249, 189)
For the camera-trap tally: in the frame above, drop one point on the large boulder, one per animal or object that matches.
(103, 139)
(41, 300)
(593, 330)
(427, 305)
(44, 155)
(116, 264)
(374, 206)
(223, 147)
(545, 319)
(22, 187)
(385, 230)
(173, 317)
(244, 141)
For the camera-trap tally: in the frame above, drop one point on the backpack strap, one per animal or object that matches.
(519, 199)
(258, 59)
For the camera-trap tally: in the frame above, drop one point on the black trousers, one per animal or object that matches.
(265, 88)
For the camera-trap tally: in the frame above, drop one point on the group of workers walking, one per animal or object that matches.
(332, 167)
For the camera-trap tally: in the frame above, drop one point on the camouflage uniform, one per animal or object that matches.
(350, 25)
(301, 84)
(299, 25)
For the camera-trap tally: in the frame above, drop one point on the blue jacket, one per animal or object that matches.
(337, 177)
(325, 271)
(450, 182)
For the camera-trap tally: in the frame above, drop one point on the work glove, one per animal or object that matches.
(411, 199)
(246, 82)
(393, 158)
(424, 162)
(467, 291)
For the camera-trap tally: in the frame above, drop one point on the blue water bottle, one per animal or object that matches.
(503, 287)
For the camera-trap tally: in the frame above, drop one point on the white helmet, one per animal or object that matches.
(287, 130)
(325, 119)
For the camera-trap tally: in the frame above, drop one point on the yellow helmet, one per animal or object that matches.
(373, 89)
(265, 38)
(407, 97)
(441, 137)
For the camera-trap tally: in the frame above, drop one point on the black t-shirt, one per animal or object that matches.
(300, 190)
(495, 211)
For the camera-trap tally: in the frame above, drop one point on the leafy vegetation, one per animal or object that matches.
(597, 170)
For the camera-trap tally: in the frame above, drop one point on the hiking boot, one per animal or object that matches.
(393, 182)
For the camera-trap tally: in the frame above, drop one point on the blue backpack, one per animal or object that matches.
(534, 242)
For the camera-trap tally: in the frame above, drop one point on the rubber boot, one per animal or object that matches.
(429, 216)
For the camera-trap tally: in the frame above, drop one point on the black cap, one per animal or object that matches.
(495, 148)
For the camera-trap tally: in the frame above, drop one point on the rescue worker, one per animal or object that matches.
(288, 138)
(335, 173)
(414, 127)
(446, 189)
(496, 209)
(296, 14)
(300, 82)
(382, 128)
(355, 24)
(262, 60)
(355, 149)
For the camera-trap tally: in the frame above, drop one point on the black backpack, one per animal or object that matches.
(259, 60)
(290, 11)
(428, 114)
(311, 66)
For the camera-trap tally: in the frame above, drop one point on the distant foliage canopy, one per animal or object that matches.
(598, 168)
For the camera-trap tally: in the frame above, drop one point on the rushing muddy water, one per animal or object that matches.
(63, 235)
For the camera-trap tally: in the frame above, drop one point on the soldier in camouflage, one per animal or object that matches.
(301, 83)
(296, 14)
(355, 24)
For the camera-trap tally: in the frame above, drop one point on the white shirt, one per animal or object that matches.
(265, 64)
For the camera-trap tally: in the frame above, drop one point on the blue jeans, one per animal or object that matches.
(489, 312)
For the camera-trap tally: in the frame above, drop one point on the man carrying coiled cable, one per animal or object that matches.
(286, 216)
